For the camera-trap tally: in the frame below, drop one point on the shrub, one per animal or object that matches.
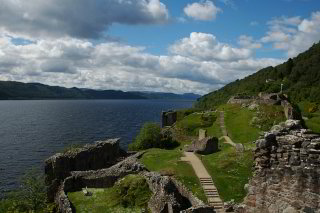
(30, 197)
(151, 136)
(132, 191)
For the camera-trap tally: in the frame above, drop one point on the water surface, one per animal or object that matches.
(31, 131)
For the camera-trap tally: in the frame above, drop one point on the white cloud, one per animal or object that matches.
(203, 46)
(204, 10)
(254, 23)
(248, 42)
(293, 34)
(76, 18)
(112, 65)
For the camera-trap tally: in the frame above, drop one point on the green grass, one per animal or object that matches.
(168, 162)
(237, 121)
(191, 124)
(313, 123)
(214, 129)
(130, 194)
(230, 171)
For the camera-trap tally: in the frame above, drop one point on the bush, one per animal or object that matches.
(30, 197)
(151, 136)
(132, 191)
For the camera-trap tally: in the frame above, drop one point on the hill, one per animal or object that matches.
(11, 90)
(163, 95)
(300, 77)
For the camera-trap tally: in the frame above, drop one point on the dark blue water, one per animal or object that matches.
(31, 131)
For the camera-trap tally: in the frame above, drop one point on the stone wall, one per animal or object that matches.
(168, 118)
(205, 146)
(202, 134)
(287, 172)
(167, 192)
(289, 111)
(100, 155)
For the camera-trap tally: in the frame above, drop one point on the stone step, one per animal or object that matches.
(212, 195)
(211, 190)
(206, 181)
(207, 184)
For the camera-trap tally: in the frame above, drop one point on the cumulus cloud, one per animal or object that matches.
(204, 10)
(293, 34)
(76, 18)
(203, 46)
(248, 42)
(208, 65)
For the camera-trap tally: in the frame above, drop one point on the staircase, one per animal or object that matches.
(212, 194)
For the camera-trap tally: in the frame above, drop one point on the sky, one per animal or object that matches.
(178, 46)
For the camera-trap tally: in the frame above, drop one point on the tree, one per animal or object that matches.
(151, 136)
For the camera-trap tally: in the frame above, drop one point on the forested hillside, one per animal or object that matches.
(17, 90)
(11, 90)
(300, 77)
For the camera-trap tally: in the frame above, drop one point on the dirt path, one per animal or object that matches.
(224, 131)
(205, 180)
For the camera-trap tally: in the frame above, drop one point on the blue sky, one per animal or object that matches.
(238, 18)
(154, 45)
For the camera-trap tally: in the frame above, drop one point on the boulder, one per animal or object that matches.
(293, 124)
(239, 147)
(253, 106)
(205, 146)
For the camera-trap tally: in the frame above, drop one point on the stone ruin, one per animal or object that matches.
(268, 99)
(286, 172)
(101, 165)
(202, 134)
(168, 118)
(204, 145)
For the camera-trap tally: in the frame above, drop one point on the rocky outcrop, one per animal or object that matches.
(287, 171)
(100, 155)
(204, 146)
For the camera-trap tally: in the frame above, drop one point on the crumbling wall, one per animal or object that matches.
(287, 172)
(168, 118)
(100, 155)
(167, 192)
(289, 111)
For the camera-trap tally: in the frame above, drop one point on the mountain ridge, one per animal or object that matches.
(13, 90)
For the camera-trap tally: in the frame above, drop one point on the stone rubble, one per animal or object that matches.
(286, 171)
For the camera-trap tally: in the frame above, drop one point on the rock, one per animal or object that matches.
(239, 147)
(263, 143)
(202, 134)
(254, 121)
(205, 146)
(168, 193)
(286, 171)
(246, 187)
(253, 106)
(292, 124)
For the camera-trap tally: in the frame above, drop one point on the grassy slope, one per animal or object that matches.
(237, 121)
(168, 162)
(101, 201)
(313, 119)
(230, 171)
